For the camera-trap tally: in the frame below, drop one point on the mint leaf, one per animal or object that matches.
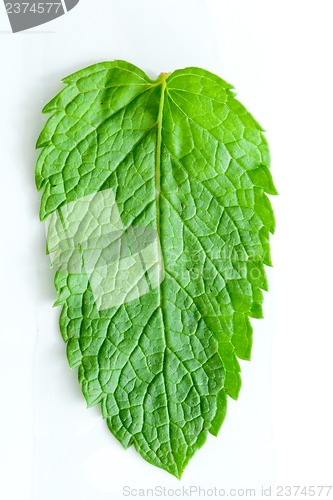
(159, 231)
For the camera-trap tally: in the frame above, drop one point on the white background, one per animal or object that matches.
(278, 55)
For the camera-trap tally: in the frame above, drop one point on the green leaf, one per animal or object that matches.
(183, 158)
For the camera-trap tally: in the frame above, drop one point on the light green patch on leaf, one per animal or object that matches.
(182, 156)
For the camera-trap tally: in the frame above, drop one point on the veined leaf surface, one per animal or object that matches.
(182, 157)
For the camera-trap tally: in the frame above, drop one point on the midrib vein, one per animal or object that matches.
(158, 175)
(158, 228)
(158, 158)
(158, 181)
